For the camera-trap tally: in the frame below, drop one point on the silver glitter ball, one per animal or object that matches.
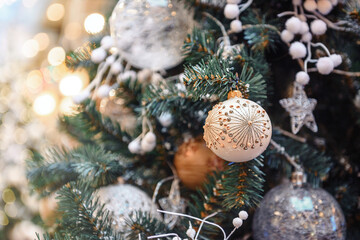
(298, 213)
(122, 200)
(150, 33)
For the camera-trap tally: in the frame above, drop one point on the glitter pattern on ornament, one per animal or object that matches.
(298, 213)
(150, 34)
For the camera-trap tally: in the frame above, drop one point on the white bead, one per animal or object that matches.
(297, 50)
(127, 75)
(318, 27)
(107, 42)
(116, 68)
(306, 37)
(336, 58)
(144, 75)
(165, 119)
(147, 146)
(103, 91)
(150, 137)
(248, 131)
(302, 78)
(293, 24)
(176, 238)
(324, 6)
(233, 1)
(236, 26)
(191, 233)
(287, 36)
(334, 2)
(310, 5)
(135, 146)
(304, 28)
(296, 2)
(237, 222)
(82, 96)
(98, 55)
(243, 215)
(110, 59)
(325, 65)
(231, 11)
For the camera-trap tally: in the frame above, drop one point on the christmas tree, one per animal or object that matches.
(196, 109)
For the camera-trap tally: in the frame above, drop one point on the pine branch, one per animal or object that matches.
(90, 127)
(89, 164)
(82, 214)
(145, 225)
(316, 164)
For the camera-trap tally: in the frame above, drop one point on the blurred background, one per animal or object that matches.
(35, 87)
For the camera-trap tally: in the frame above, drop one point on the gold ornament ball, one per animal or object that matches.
(237, 130)
(48, 209)
(194, 161)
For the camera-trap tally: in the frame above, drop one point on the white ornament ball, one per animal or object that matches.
(165, 119)
(306, 37)
(110, 59)
(103, 91)
(237, 130)
(325, 65)
(233, 1)
(191, 233)
(293, 25)
(82, 96)
(304, 28)
(336, 58)
(287, 36)
(243, 215)
(302, 78)
(107, 42)
(122, 200)
(236, 26)
(116, 68)
(310, 5)
(135, 146)
(318, 27)
(127, 75)
(237, 222)
(98, 55)
(296, 2)
(297, 50)
(324, 6)
(231, 11)
(150, 34)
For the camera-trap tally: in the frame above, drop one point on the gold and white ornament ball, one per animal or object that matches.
(237, 130)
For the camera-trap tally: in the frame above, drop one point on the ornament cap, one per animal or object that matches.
(234, 93)
(298, 178)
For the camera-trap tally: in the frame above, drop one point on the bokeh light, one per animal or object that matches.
(44, 104)
(30, 48)
(8, 196)
(43, 40)
(3, 219)
(34, 81)
(55, 12)
(56, 56)
(94, 23)
(73, 31)
(29, 3)
(67, 106)
(71, 85)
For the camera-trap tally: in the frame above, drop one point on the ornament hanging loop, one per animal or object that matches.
(298, 178)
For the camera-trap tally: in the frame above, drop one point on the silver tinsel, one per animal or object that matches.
(150, 33)
(298, 213)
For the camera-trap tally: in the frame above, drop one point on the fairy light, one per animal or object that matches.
(43, 40)
(30, 48)
(44, 104)
(55, 12)
(71, 85)
(56, 56)
(94, 23)
(67, 106)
